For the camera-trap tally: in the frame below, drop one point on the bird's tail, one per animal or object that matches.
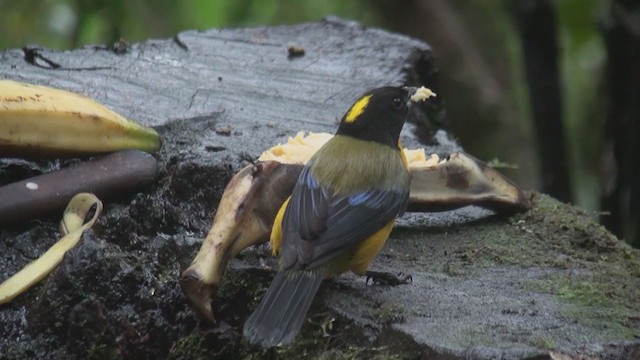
(279, 317)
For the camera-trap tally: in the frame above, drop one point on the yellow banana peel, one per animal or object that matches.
(72, 226)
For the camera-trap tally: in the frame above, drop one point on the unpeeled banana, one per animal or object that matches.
(46, 121)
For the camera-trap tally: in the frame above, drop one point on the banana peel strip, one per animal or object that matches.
(253, 196)
(72, 226)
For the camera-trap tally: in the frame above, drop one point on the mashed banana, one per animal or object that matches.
(422, 94)
(298, 150)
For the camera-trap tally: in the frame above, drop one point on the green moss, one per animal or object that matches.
(596, 275)
(543, 342)
(474, 337)
(550, 233)
(389, 313)
(189, 347)
(346, 353)
(603, 301)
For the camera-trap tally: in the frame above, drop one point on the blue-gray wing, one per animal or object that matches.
(317, 225)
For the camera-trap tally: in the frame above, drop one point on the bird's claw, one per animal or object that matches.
(386, 278)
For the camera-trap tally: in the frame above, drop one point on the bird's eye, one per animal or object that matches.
(397, 103)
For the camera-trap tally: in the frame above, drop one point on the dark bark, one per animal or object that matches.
(537, 26)
(621, 199)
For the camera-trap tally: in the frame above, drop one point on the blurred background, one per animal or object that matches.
(549, 91)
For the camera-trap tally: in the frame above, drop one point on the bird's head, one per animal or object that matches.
(379, 114)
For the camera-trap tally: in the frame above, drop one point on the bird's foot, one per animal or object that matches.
(387, 278)
(266, 261)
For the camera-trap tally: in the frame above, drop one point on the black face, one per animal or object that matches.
(377, 116)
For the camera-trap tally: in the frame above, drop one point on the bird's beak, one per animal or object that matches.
(410, 90)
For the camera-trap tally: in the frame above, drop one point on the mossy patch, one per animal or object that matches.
(588, 280)
(544, 342)
(550, 234)
(605, 301)
(553, 233)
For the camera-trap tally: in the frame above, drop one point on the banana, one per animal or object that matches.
(43, 120)
(71, 227)
(253, 196)
(244, 218)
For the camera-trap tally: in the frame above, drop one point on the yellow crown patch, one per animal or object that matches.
(357, 109)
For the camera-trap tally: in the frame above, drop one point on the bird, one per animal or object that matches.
(340, 212)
